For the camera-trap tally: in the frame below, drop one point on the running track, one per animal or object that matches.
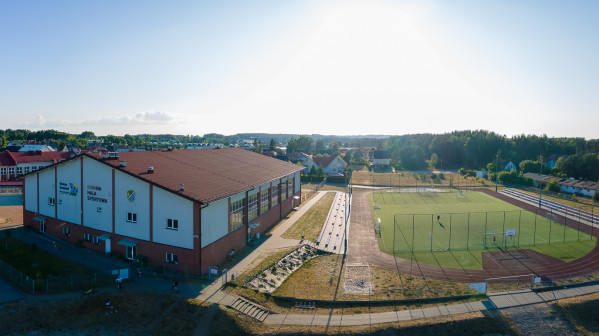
(364, 249)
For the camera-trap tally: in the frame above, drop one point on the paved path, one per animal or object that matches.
(499, 301)
(273, 241)
(8, 292)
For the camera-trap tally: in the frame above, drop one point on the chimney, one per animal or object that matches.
(150, 170)
(123, 163)
(182, 188)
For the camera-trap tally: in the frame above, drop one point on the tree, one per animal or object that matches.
(319, 148)
(347, 157)
(596, 196)
(272, 145)
(312, 171)
(334, 148)
(320, 172)
(432, 163)
(301, 144)
(529, 166)
(554, 186)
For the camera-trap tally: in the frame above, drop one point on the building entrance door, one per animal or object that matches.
(107, 245)
(42, 226)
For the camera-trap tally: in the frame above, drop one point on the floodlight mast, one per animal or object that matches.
(540, 180)
(496, 164)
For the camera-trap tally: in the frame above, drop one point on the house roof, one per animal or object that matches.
(564, 181)
(36, 147)
(6, 159)
(297, 156)
(207, 174)
(380, 154)
(325, 161)
(30, 157)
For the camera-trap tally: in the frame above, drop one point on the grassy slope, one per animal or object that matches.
(311, 222)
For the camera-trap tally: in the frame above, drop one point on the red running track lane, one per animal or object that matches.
(363, 249)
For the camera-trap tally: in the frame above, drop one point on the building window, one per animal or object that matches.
(33, 168)
(131, 252)
(172, 224)
(275, 196)
(236, 215)
(263, 201)
(3, 171)
(283, 191)
(66, 231)
(172, 258)
(252, 206)
(51, 201)
(96, 240)
(26, 170)
(87, 236)
(99, 209)
(290, 189)
(11, 170)
(131, 217)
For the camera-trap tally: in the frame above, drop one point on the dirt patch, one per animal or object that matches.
(11, 215)
(357, 279)
(518, 261)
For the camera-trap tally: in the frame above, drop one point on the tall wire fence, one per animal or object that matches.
(55, 284)
(482, 230)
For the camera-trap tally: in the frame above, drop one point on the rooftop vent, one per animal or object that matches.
(111, 155)
(182, 188)
(123, 163)
(150, 170)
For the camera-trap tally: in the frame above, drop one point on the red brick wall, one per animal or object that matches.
(155, 252)
(217, 252)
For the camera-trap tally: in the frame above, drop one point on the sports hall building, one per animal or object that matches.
(186, 209)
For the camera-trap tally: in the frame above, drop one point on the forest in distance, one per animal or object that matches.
(470, 149)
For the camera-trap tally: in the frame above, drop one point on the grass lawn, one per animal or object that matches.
(452, 229)
(137, 313)
(37, 263)
(416, 179)
(310, 224)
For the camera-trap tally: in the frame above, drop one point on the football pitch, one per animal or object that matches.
(452, 229)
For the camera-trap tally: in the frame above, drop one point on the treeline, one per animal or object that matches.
(475, 149)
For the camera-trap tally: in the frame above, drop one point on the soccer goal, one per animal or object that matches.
(500, 239)
(461, 194)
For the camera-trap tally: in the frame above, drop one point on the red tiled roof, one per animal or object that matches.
(30, 157)
(207, 174)
(323, 161)
(6, 159)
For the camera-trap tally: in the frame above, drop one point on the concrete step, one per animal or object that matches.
(250, 309)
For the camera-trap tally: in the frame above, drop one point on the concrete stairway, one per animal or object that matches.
(250, 309)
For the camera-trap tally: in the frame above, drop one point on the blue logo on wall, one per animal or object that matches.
(74, 189)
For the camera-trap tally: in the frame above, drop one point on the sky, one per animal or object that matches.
(311, 67)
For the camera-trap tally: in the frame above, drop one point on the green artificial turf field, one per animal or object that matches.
(452, 229)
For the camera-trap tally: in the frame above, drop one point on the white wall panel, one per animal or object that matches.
(46, 187)
(139, 205)
(97, 195)
(68, 199)
(215, 221)
(31, 193)
(170, 206)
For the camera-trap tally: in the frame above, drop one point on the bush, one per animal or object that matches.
(596, 196)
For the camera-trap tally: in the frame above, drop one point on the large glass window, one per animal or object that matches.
(252, 206)
(19, 170)
(3, 171)
(11, 170)
(283, 190)
(131, 252)
(275, 195)
(236, 215)
(290, 189)
(263, 201)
